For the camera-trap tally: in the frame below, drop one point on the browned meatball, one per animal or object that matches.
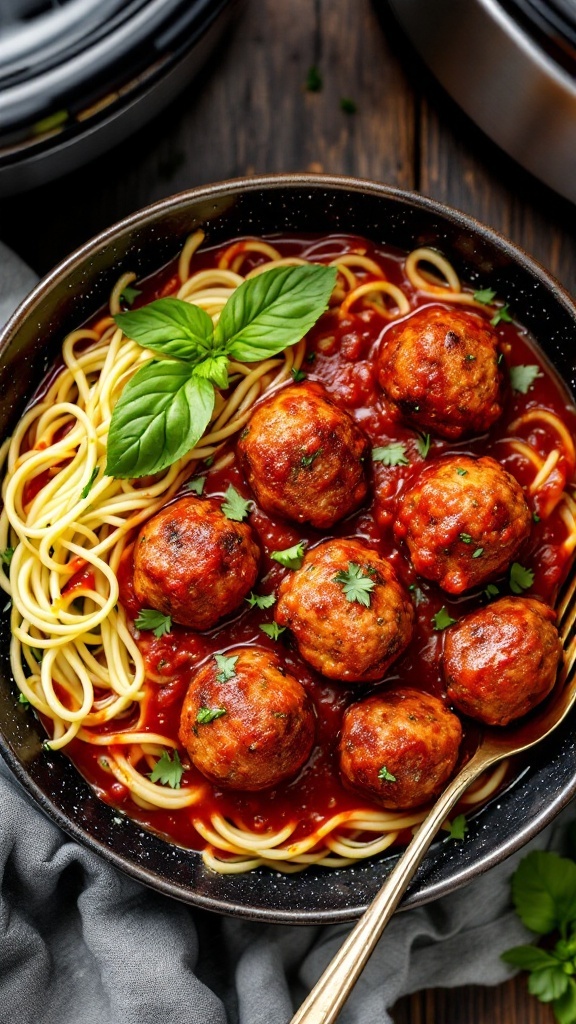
(500, 661)
(303, 457)
(440, 369)
(464, 521)
(194, 564)
(399, 748)
(245, 722)
(338, 634)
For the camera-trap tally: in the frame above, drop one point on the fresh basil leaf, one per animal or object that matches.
(161, 414)
(529, 958)
(170, 327)
(273, 310)
(215, 368)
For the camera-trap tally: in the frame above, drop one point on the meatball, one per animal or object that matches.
(399, 748)
(194, 564)
(500, 661)
(464, 521)
(304, 458)
(245, 722)
(349, 614)
(440, 369)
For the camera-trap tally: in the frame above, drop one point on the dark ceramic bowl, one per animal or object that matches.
(79, 287)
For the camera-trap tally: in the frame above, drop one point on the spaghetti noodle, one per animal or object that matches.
(66, 530)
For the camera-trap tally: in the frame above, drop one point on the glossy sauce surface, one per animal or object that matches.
(340, 354)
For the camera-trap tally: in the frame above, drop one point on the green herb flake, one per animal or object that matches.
(348, 106)
(272, 629)
(314, 81)
(461, 472)
(501, 316)
(129, 295)
(393, 454)
(522, 377)
(465, 538)
(207, 715)
(535, 517)
(442, 619)
(196, 485)
(261, 600)
(225, 667)
(290, 558)
(23, 699)
(168, 770)
(156, 622)
(7, 555)
(385, 776)
(234, 506)
(457, 828)
(86, 490)
(298, 375)
(307, 460)
(356, 584)
(423, 442)
(478, 553)
(492, 591)
(469, 359)
(485, 296)
(520, 578)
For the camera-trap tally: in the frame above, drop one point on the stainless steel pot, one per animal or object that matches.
(511, 66)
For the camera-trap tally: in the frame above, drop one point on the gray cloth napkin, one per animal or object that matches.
(81, 942)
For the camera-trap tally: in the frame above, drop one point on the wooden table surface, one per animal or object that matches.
(250, 112)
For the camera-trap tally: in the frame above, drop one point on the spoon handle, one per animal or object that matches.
(331, 991)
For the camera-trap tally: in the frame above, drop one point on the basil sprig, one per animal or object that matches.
(165, 408)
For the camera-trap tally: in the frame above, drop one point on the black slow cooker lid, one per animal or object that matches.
(551, 23)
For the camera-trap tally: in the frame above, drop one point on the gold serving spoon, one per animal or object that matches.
(328, 996)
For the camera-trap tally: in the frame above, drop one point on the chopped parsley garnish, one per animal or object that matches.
(356, 584)
(225, 667)
(168, 771)
(307, 460)
(290, 558)
(423, 442)
(465, 538)
(261, 600)
(128, 295)
(535, 517)
(272, 629)
(520, 578)
(461, 472)
(457, 828)
(501, 316)
(485, 296)
(234, 505)
(385, 776)
(478, 553)
(196, 485)
(150, 619)
(313, 79)
(298, 375)
(393, 454)
(207, 715)
(23, 699)
(469, 359)
(348, 105)
(522, 377)
(442, 619)
(86, 490)
(7, 555)
(491, 591)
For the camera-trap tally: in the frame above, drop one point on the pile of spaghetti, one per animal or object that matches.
(65, 527)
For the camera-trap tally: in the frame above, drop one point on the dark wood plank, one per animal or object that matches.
(505, 1004)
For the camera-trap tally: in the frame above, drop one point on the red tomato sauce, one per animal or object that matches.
(345, 365)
